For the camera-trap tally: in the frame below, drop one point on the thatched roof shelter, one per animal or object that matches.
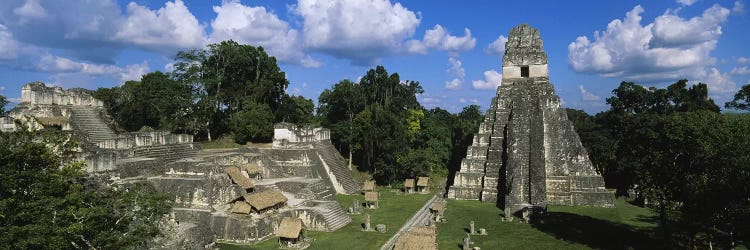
(241, 207)
(238, 178)
(371, 196)
(251, 168)
(369, 186)
(423, 181)
(418, 238)
(409, 183)
(265, 199)
(290, 228)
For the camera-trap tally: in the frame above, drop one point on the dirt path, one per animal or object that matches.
(420, 218)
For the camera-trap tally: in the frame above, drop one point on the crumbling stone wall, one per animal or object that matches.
(37, 93)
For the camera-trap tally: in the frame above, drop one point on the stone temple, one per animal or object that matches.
(527, 153)
(234, 195)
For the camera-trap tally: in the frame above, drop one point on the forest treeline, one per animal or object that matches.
(674, 149)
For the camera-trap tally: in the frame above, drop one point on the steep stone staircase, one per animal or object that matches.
(335, 217)
(321, 192)
(337, 165)
(168, 153)
(87, 121)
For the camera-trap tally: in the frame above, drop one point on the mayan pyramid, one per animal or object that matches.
(526, 152)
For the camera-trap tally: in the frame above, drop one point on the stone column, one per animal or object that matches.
(367, 222)
(467, 242)
(471, 228)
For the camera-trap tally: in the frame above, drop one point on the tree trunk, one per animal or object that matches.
(665, 227)
(208, 130)
(350, 158)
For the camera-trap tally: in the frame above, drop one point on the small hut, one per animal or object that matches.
(369, 186)
(265, 201)
(240, 179)
(418, 238)
(423, 184)
(409, 186)
(252, 170)
(437, 210)
(290, 231)
(371, 200)
(241, 207)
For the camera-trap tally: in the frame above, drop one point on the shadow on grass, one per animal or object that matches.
(594, 233)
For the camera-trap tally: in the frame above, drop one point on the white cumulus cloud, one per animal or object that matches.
(743, 60)
(456, 70)
(738, 8)
(497, 47)
(687, 2)
(439, 38)
(259, 27)
(492, 79)
(359, 30)
(31, 9)
(66, 68)
(168, 28)
(718, 83)
(8, 45)
(586, 95)
(670, 48)
(744, 70)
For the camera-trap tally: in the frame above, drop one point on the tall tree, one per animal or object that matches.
(3, 103)
(232, 75)
(254, 123)
(46, 206)
(296, 109)
(371, 117)
(741, 99)
(337, 108)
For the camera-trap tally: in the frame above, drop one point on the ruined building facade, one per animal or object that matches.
(526, 152)
(301, 169)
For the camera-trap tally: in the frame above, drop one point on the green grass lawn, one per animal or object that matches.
(564, 227)
(395, 209)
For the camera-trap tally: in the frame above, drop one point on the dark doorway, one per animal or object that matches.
(524, 71)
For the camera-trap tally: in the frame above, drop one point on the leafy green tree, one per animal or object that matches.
(156, 101)
(435, 138)
(465, 127)
(229, 75)
(741, 99)
(3, 103)
(45, 206)
(296, 109)
(337, 108)
(600, 144)
(235, 73)
(413, 123)
(254, 123)
(372, 118)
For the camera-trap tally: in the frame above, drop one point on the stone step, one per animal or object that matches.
(338, 166)
(336, 217)
(87, 120)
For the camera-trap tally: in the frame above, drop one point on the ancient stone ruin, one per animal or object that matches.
(527, 153)
(236, 195)
(422, 238)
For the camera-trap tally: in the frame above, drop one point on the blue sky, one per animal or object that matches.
(454, 48)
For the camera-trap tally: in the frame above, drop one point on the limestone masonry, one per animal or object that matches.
(301, 170)
(527, 153)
